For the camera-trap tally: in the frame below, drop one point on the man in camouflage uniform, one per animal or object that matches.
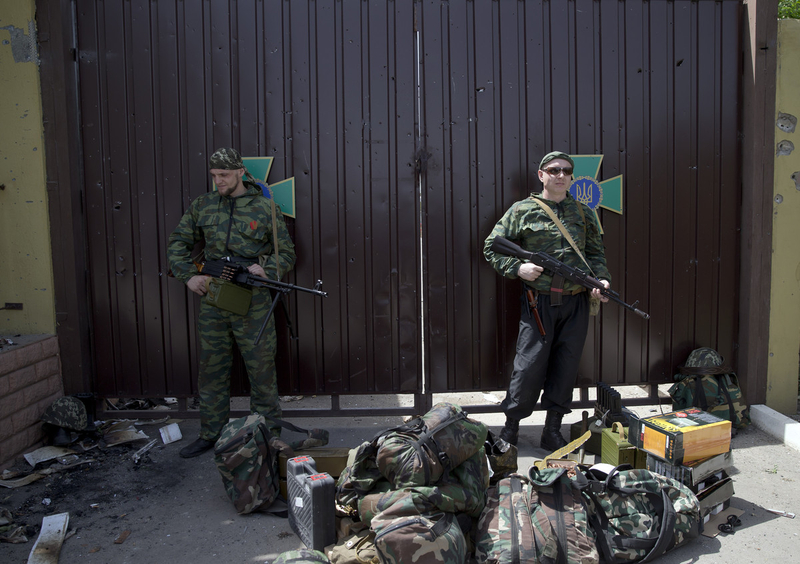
(236, 221)
(548, 362)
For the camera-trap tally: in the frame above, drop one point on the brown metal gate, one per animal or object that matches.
(409, 128)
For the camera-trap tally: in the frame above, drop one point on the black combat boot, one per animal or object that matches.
(196, 448)
(551, 435)
(510, 432)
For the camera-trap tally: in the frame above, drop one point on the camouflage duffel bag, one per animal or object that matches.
(405, 537)
(426, 448)
(508, 531)
(639, 515)
(301, 556)
(707, 383)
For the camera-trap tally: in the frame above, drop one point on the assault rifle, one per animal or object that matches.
(226, 269)
(505, 247)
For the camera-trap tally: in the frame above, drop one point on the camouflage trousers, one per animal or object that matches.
(548, 364)
(218, 330)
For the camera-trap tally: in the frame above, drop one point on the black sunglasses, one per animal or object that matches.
(556, 170)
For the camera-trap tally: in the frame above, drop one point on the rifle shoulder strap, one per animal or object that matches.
(551, 214)
(274, 233)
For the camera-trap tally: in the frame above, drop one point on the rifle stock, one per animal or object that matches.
(503, 246)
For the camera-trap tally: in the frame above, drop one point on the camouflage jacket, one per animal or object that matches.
(527, 224)
(236, 227)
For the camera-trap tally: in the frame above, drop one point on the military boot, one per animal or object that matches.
(510, 432)
(551, 435)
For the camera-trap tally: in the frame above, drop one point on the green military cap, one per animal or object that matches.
(226, 159)
(556, 155)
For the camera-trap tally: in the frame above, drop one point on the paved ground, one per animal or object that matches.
(176, 510)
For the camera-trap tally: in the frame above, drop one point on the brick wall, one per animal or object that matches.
(30, 380)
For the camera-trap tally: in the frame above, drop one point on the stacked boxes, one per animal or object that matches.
(683, 436)
(692, 447)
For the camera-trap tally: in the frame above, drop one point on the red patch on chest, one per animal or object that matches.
(253, 224)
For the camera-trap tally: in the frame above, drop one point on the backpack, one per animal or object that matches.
(246, 455)
(402, 535)
(464, 491)
(426, 448)
(708, 384)
(639, 515)
(442, 447)
(557, 494)
(508, 531)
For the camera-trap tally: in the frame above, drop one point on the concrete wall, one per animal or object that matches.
(26, 274)
(784, 331)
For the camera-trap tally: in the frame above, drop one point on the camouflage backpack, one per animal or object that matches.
(639, 515)
(246, 455)
(426, 448)
(404, 536)
(707, 383)
(557, 495)
(301, 556)
(510, 530)
(456, 443)
(463, 492)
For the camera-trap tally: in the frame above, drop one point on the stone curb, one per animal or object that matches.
(776, 425)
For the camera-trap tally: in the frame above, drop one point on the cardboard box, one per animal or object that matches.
(616, 450)
(684, 436)
(714, 497)
(692, 474)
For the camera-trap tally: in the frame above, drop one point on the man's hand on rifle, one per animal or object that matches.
(596, 291)
(530, 271)
(197, 284)
(256, 270)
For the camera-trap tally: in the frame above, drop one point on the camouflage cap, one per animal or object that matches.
(556, 155)
(226, 159)
(67, 412)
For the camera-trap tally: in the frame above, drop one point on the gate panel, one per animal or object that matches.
(653, 87)
(328, 89)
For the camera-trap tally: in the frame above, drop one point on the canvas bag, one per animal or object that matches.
(358, 548)
(426, 448)
(403, 536)
(704, 381)
(557, 493)
(639, 515)
(246, 455)
(510, 530)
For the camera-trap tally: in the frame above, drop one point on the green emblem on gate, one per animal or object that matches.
(586, 189)
(283, 190)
